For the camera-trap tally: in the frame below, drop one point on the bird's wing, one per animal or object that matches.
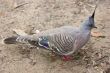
(61, 43)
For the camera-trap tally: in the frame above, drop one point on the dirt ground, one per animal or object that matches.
(30, 15)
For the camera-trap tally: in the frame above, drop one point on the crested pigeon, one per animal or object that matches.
(63, 41)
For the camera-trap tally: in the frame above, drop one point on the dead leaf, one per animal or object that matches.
(97, 34)
(2, 13)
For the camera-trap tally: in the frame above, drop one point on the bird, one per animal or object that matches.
(63, 41)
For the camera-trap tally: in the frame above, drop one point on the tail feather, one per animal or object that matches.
(20, 40)
(25, 40)
(16, 40)
(11, 40)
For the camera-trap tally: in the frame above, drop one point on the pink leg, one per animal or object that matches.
(67, 58)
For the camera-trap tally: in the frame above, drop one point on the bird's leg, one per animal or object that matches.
(67, 58)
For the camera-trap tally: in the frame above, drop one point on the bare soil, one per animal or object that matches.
(31, 15)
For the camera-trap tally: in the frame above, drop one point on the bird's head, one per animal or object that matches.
(89, 23)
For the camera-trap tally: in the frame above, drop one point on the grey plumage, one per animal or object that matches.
(63, 41)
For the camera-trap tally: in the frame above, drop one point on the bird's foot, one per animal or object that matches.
(67, 58)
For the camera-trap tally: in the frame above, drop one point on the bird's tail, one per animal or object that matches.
(16, 39)
(27, 40)
(10, 40)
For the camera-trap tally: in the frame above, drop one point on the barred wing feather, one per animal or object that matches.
(59, 43)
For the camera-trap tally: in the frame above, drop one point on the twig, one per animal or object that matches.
(20, 5)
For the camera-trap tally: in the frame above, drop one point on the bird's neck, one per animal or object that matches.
(85, 28)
